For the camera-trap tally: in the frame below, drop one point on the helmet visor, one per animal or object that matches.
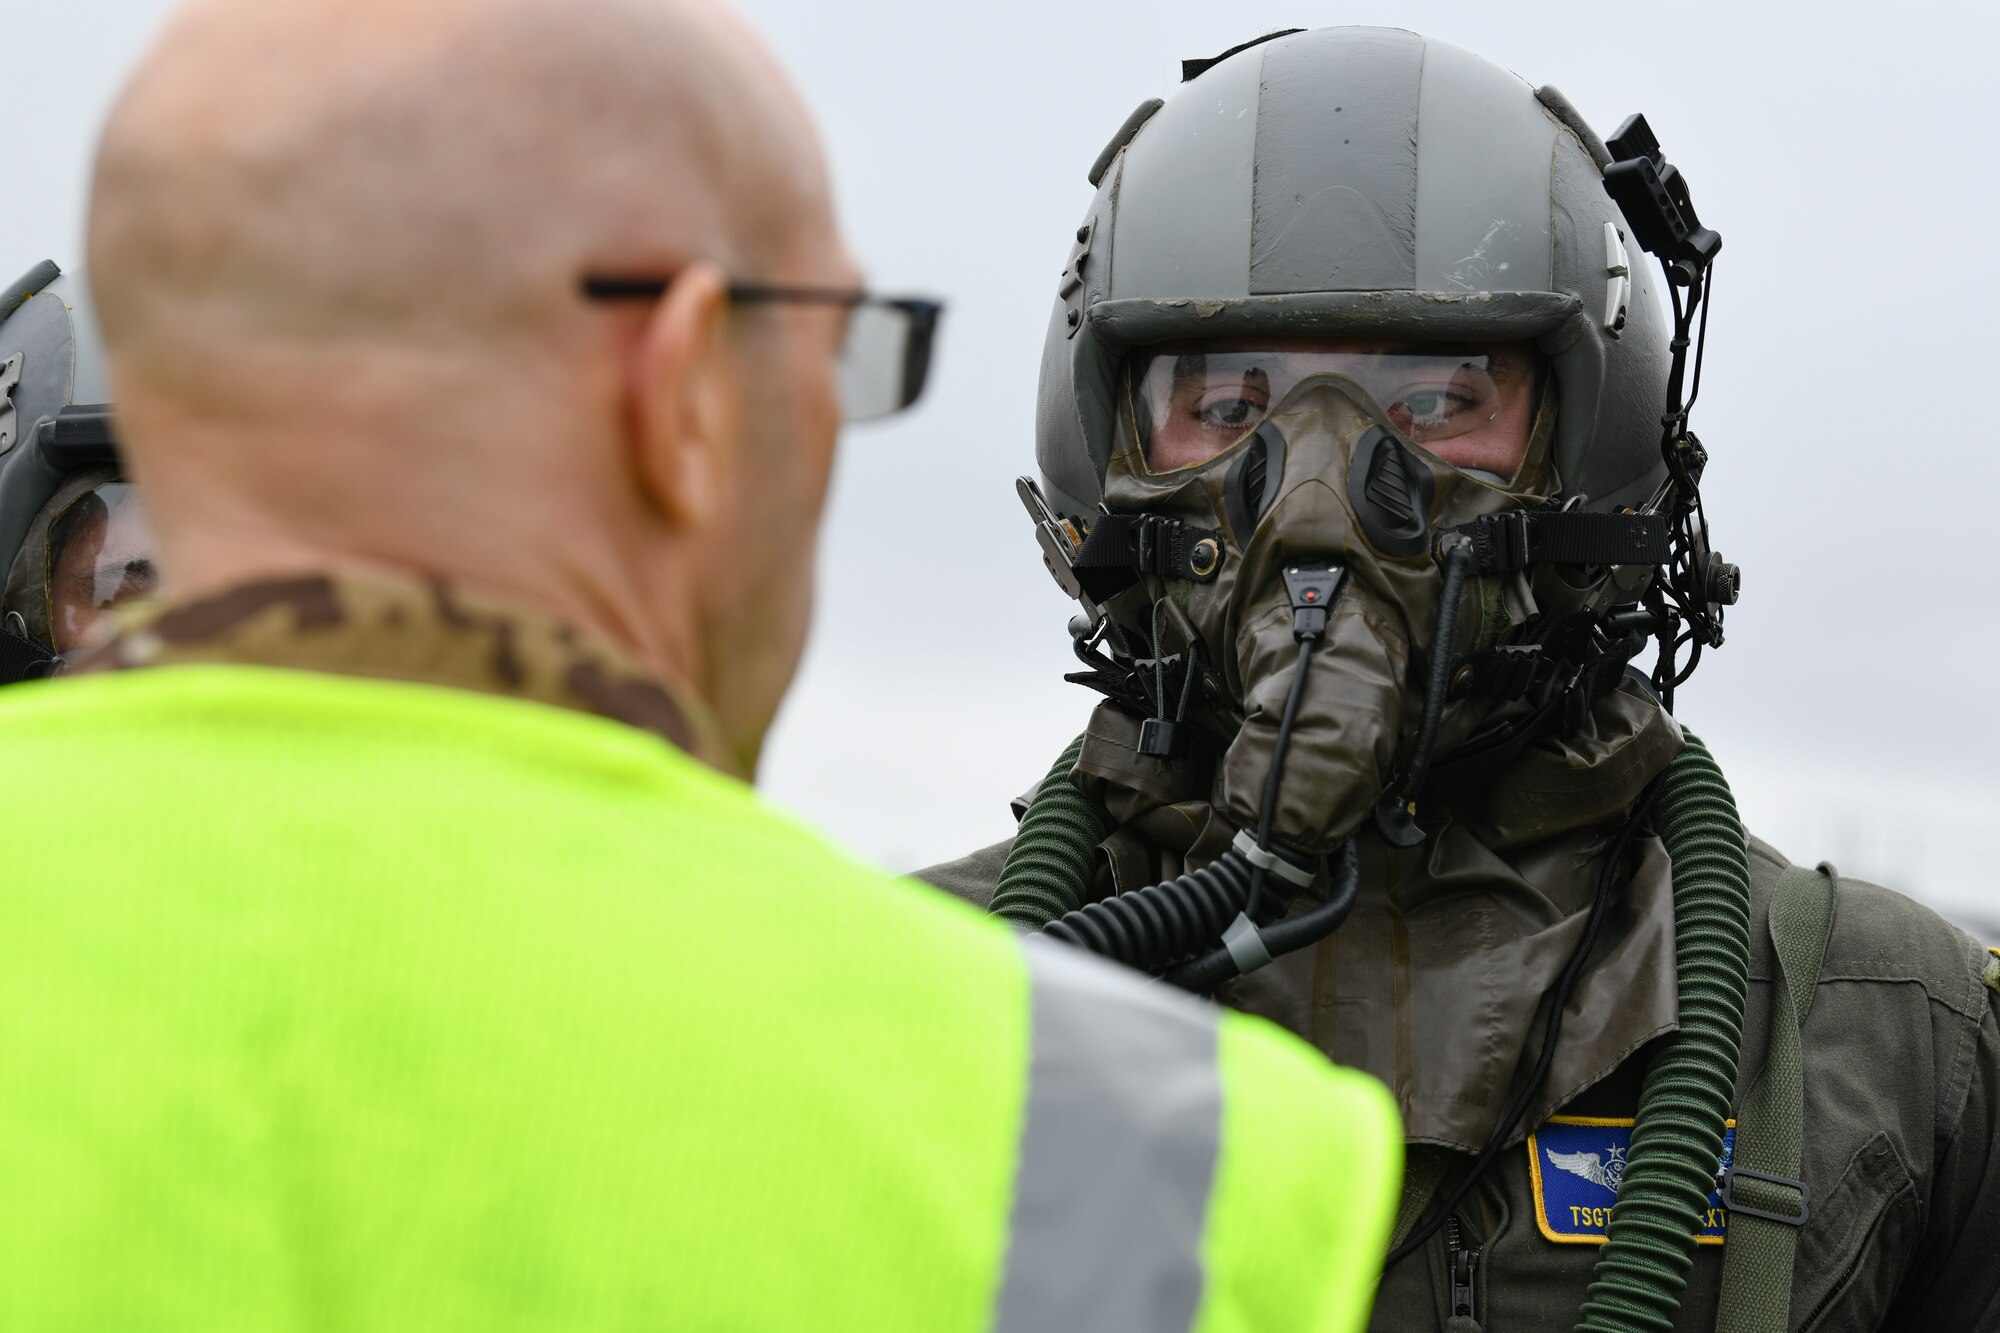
(1472, 406)
(100, 554)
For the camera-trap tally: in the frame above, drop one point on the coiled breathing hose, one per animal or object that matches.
(1202, 975)
(1163, 923)
(1684, 1099)
(1048, 868)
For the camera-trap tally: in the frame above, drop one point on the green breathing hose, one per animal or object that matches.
(1048, 869)
(1685, 1096)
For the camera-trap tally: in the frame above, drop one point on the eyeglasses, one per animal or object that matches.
(884, 357)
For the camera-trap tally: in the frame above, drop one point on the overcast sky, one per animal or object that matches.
(1849, 407)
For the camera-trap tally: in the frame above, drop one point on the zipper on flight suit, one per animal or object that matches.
(1462, 1268)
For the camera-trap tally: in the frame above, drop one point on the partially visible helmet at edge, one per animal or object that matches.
(73, 540)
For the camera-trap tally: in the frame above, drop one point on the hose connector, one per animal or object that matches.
(1312, 586)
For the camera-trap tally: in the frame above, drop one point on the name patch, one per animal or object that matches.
(1577, 1164)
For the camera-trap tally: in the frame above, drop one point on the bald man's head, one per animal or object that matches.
(379, 169)
(337, 248)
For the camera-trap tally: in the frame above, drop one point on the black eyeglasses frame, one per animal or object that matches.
(919, 313)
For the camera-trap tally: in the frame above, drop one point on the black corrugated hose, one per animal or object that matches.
(1048, 872)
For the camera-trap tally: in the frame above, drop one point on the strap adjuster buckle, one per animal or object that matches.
(1502, 542)
(1271, 862)
(1729, 1178)
(1515, 531)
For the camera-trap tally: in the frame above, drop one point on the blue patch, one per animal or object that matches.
(1577, 1162)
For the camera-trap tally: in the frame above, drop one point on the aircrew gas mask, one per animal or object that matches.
(1348, 458)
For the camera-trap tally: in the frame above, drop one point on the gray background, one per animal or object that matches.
(1844, 152)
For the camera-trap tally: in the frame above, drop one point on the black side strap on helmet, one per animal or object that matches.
(1502, 543)
(1517, 539)
(1121, 547)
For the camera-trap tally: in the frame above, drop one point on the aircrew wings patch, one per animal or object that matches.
(1577, 1164)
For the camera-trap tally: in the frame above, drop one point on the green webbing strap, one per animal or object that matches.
(1423, 1168)
(1766, 1199)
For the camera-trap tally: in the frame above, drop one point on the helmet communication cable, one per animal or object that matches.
(1395, 812)
(1559, 998)
(1653, 195)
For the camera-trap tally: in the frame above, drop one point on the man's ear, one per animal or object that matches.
(678, 391)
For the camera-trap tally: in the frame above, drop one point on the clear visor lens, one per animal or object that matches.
(1471, 407)
(100, 554)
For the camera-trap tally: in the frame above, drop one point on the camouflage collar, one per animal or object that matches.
(423, 630)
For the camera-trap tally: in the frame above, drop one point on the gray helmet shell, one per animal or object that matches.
(1348, 182)
(51, 353)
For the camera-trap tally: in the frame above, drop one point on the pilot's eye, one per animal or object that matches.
(1436, 413)
(1229, 409)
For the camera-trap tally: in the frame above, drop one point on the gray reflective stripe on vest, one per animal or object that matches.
(1118, 1149)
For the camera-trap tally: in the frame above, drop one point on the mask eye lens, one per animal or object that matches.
(1470, 406)
(1201, 403)
(100, 554)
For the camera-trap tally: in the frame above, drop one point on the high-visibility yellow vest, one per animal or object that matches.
(335, 1004)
